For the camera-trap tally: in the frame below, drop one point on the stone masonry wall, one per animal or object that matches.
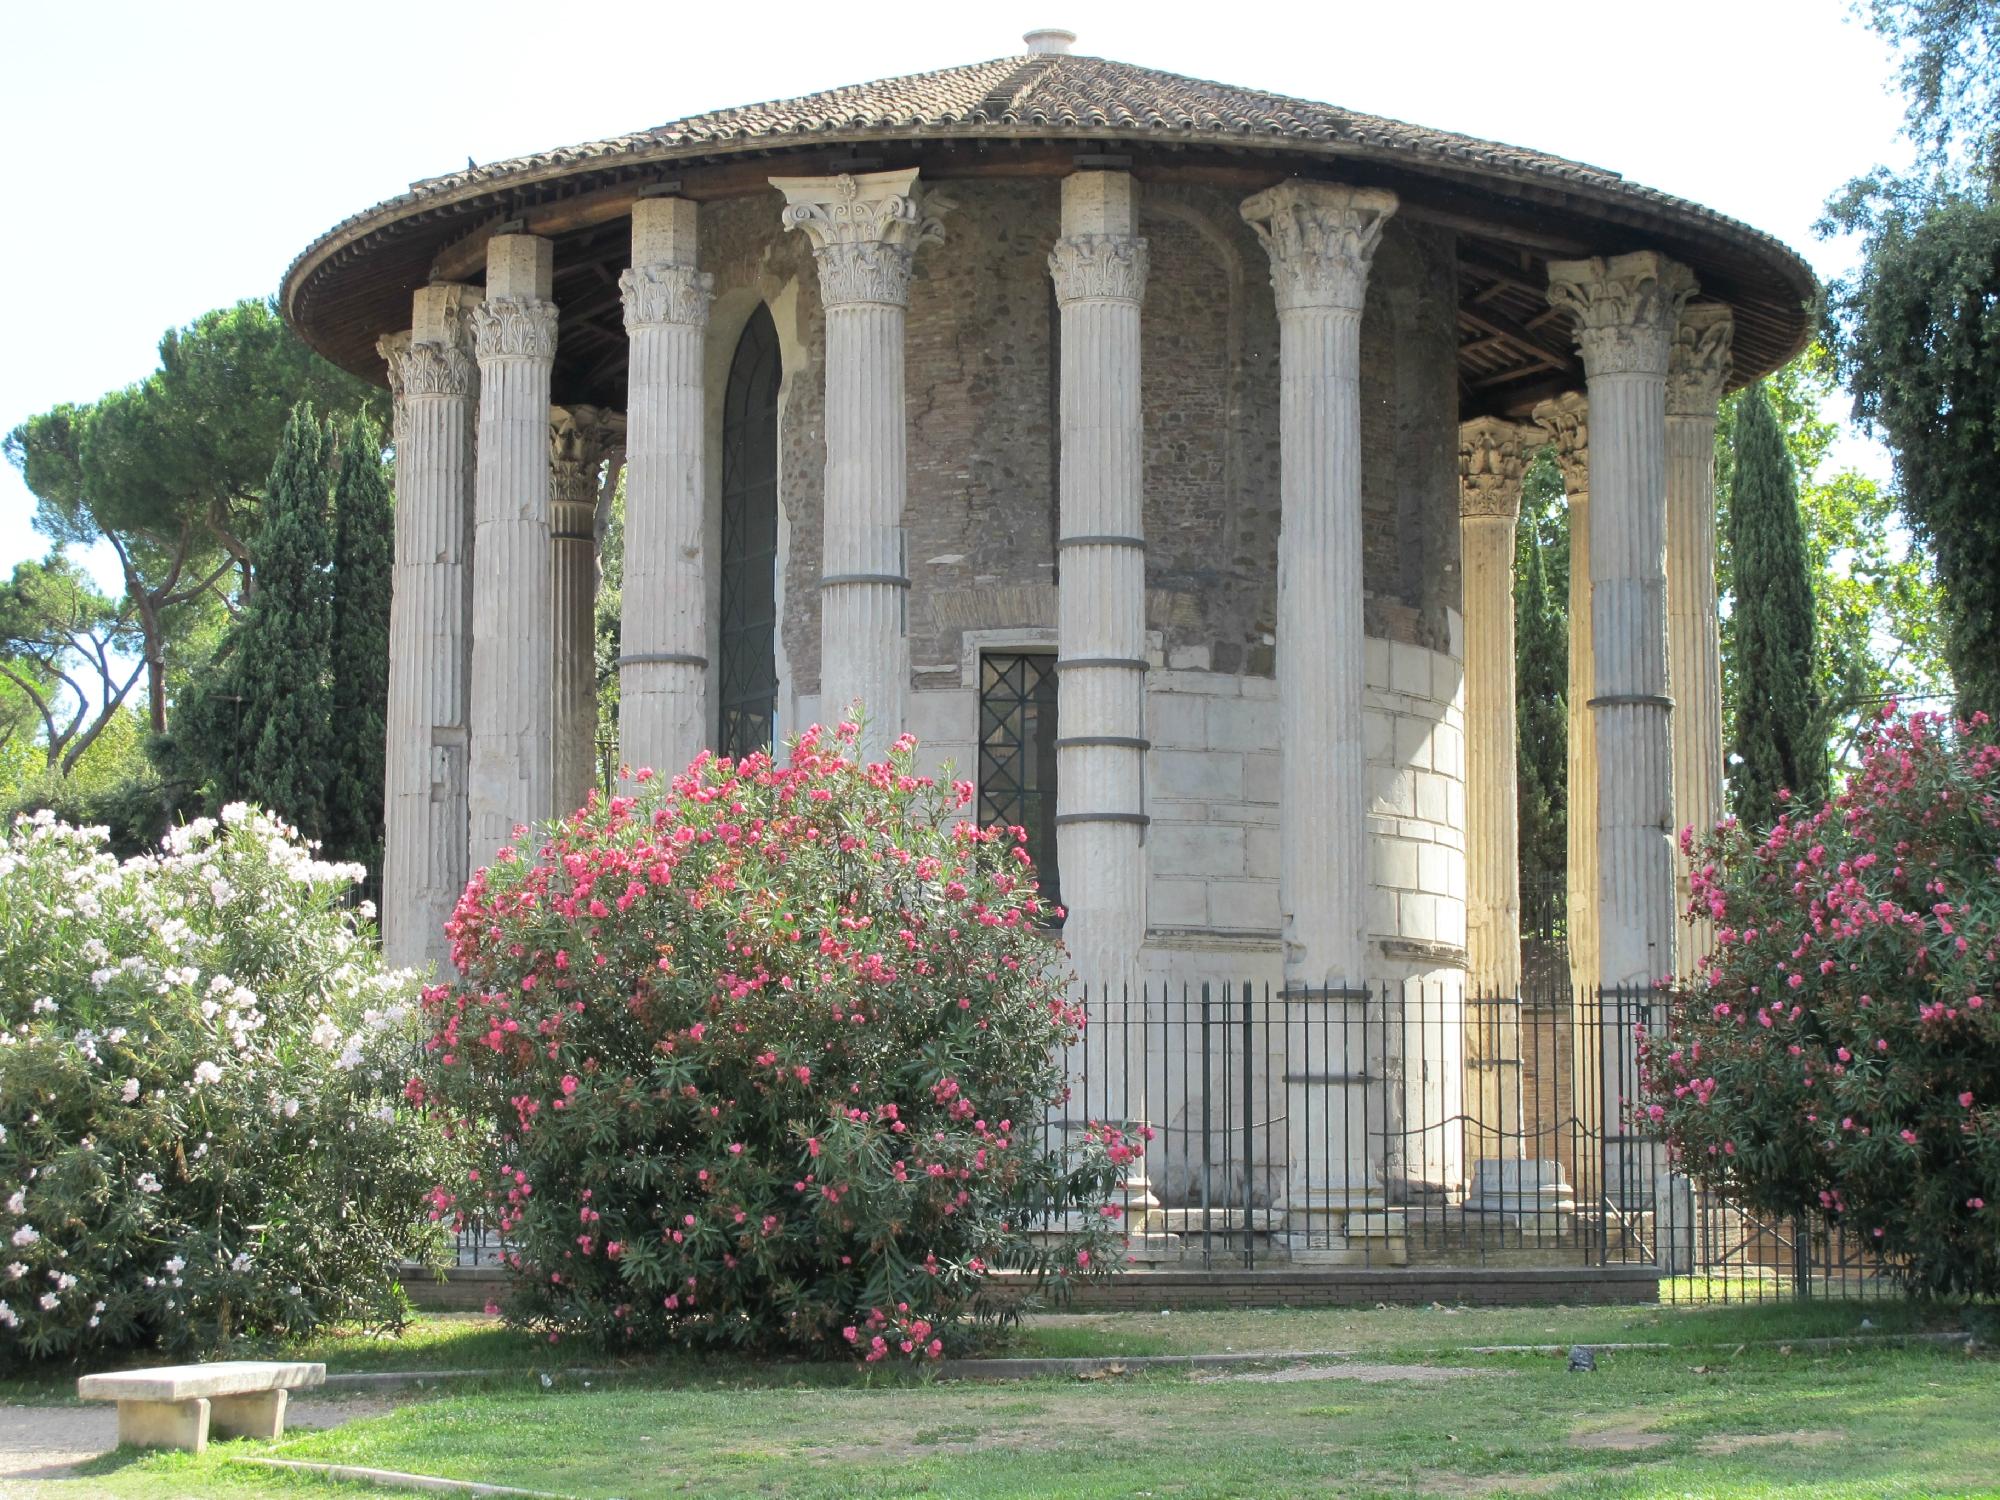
(981, 525)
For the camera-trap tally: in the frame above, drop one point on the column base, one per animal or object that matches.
(1530, 1194)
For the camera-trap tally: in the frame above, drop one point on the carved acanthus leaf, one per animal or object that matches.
(864, 230)
(1698, 364)
(663, 294)
(1099, 266)
(1492, 458)
(1566, 421)
(1625, 309)
(1321, 239)
(580, 439)
(514, 328)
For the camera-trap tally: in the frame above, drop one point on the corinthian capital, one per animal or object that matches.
(580, 439)
(1492, 457)
(1321, 239)
(1625, 308)
(1566, 422)
(1099, 266)
(1698, 364)
(395, 351)
(514, 327)
(865, 230)
(662, 294)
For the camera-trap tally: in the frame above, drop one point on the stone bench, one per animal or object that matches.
(176, 1406)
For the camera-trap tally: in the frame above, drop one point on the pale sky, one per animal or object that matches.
(170, 158)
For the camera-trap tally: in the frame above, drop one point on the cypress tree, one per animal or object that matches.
(1541, 681)
(285, 652)
(1780, 739)
(363, 554)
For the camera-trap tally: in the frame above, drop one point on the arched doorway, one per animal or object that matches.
(747, 676)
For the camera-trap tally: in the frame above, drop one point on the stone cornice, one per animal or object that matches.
(666, 295)
(1625, 309)
(514, 328)
(1566, 421)
(1698, 364)
(1492, 458)
(865, 231)
(1107, 267)
(1321, 239)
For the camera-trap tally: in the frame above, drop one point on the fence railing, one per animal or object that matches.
(1408, 1124)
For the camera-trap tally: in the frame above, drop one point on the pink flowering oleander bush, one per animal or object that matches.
(758, 1057)
(202, 1134)
(1840, 1055)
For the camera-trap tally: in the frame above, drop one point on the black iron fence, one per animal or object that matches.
(1410, 1125)
(1406, 1124)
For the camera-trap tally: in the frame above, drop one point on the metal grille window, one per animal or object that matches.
(747, 675)
(1017, 754)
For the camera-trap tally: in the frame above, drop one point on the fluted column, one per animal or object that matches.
(663, 719)
(513, 608)
(435, 385)
(1492, 458)
(1696, 370)
(865, 231)
(1099, 265)
(579, 439)
(1321, 239)
(1626, 309)
(1566, 421)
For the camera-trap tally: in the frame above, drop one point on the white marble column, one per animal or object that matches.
(1492, 458)
(1566, 421)
(513, 609)
(1626, 309)
(435, 384)
(1696, 370)
(865, 231)
(1321, 239)
(580, 437)
(663, 717)
(1099, 267)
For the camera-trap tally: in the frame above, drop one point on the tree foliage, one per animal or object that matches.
(363, 563)
(170, 472)
(1541, 684)
(62, 645)
(761, 1058)
(1840, 1055)
(1917, 326)
(1919, 337)
(284, 654)
(1779, 739)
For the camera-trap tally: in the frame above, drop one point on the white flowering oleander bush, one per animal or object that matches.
(202, 1135)
(758, 1057)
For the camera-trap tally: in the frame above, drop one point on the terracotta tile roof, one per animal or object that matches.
(1028, 94)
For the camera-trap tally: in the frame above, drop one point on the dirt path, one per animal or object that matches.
(47, 1442)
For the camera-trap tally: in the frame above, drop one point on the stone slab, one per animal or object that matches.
(229, 1377)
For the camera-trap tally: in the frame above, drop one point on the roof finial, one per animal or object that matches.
(1050, 41)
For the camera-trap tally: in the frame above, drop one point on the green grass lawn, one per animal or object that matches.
(1697, 1419)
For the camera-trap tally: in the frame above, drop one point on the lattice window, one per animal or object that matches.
(747, 669)
(1017, 753)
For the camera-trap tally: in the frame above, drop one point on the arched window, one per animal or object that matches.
(747, 676)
